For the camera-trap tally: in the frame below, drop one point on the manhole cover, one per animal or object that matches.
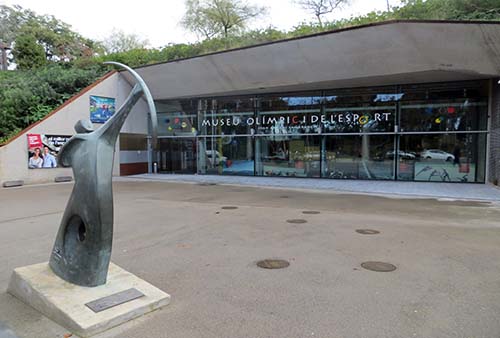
(273, 264)
(296, 221)
(378, 266)
(206, 184)
(367, 231)
(284, 196)
(310, 212)
(229, 207)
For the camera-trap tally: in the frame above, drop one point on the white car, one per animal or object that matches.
(402, 155)
(436, 154)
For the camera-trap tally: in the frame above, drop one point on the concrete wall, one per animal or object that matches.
(494, 154)
(14, 155)
(137, 121)
(133, 162)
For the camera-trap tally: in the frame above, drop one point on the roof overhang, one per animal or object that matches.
(378, 54)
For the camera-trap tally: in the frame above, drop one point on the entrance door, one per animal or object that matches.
(178, 155)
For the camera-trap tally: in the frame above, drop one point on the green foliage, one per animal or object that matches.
(28, 53)
(448, 9)
(59, 42)
(28, 96)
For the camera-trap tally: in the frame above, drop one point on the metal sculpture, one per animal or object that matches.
(82, 249)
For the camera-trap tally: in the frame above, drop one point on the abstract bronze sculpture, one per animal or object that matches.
(82, 249)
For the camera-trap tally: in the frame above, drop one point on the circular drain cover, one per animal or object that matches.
(310, 212)
(378, 266)
(367, 231)
(273, 264)
(296, 221)
(229, 207)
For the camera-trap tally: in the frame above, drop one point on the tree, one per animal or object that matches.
(57, 38)
(28, 96)
(321, 7)
(211, 18)
(119, 41)
(28, 53)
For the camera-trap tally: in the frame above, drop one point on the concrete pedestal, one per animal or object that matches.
(64, 303)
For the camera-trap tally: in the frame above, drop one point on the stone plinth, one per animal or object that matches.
(64, 303)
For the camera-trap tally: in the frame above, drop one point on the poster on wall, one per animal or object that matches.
(43, 150)
(101, 108)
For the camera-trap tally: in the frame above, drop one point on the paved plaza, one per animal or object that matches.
(182, 238)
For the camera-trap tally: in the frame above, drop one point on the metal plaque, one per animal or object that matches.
(107, 302)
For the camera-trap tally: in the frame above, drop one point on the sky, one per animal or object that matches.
(158, 21)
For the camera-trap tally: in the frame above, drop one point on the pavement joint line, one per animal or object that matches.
(27, 217)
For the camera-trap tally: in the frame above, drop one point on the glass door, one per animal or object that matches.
(177, 155)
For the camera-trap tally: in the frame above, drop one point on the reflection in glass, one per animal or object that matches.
(177, 155)
(227, 116)
(282, 115)
(359, 157)
(177, 117)
(443, 157)
(227, 155)
(458, 106)
(361, 110)
(450, 116)
(289, 156)
(341, 133)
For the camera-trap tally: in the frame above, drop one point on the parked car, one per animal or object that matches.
(436, 154)
(402, 155)
(214, 158)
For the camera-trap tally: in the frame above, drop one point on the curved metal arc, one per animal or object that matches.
(149, 99)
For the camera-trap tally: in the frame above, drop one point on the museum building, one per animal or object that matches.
(398, 100)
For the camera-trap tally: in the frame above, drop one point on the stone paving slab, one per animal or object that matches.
(182, 238)
(467, 191)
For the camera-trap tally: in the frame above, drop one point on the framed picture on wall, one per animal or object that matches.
(101, 108)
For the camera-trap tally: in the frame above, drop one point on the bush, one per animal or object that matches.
(28, 96)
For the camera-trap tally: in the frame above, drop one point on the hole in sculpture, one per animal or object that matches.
(76, 231)
(82, 232)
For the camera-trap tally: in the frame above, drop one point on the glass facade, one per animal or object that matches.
(426, 132)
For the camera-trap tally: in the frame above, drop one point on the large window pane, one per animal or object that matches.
(445, 107)
(359, 157)
(361, 110)
(228, 155)
(177, 117)
(289, 114)
(289, 156)
(227, 116)
(177, 155)
(442, 157)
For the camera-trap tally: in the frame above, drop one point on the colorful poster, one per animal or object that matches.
(43, 150)
(101, 108)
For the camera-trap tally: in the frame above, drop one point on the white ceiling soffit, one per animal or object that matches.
(389, 53)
